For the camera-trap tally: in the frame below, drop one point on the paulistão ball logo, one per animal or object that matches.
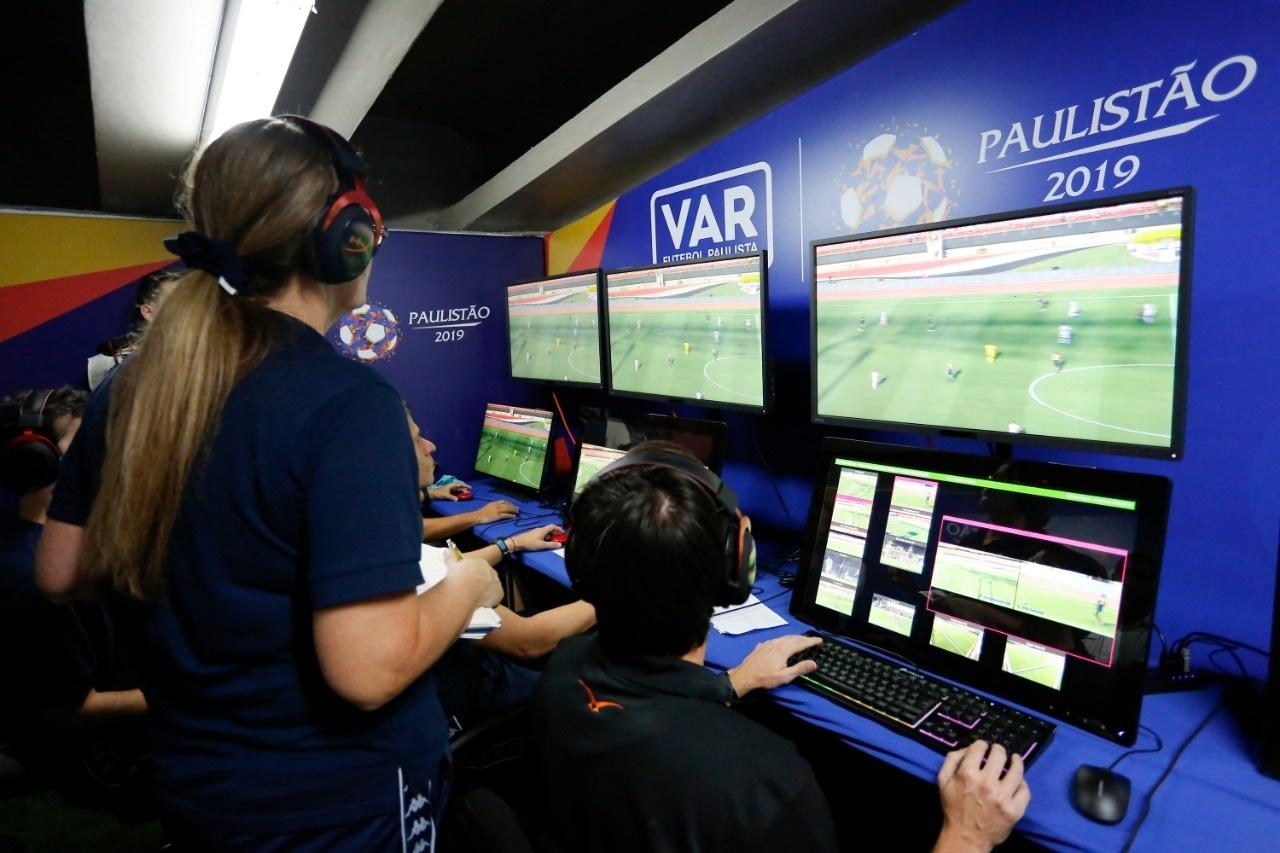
(369, 333)
(901, 177)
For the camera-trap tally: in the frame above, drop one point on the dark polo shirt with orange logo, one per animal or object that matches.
(647, 755)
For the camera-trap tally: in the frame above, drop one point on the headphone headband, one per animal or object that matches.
(29, 453)
(349, 230)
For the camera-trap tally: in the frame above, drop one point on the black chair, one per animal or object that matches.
(490, 788)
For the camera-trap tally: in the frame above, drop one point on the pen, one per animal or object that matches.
(453, 549)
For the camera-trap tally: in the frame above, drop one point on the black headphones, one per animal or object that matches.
(29, 453)
(349, 231)
(738, 572)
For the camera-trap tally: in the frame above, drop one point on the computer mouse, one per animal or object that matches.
(1100, 794)
(561, 537)
(463, 494)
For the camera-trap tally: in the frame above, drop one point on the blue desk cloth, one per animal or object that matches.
(1215, 798)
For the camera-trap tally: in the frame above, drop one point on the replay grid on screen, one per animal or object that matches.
(1036, 582)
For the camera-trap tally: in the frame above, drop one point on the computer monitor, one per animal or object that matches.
(1063, 326)
(617, 430)
(1032, 581)
(513, 444)
(690, 331)
(591, 458)
(553, 329)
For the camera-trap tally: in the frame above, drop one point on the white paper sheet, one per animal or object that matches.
(751, 615)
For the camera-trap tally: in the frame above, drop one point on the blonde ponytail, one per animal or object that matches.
(260, 187)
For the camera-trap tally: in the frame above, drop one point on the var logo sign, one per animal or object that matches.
(723, 214)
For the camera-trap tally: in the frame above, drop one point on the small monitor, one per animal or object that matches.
(514, 443)
(690, 332)
(1063, 326)
(553, 329)
(591, 458)
(1035, 582)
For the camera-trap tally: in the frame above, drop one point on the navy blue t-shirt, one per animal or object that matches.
(306, 498)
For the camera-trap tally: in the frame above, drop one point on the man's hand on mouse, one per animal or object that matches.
(449, 492)
(538, 539)
(495, 511)
(979, 806)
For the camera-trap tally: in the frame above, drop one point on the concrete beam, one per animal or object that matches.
(717, 34)
(381, 38)
(149, 67)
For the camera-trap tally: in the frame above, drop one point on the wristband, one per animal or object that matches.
(503, 548)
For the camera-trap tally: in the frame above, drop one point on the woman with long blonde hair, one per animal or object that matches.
(253, 497)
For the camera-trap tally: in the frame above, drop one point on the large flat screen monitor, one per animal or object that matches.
(610, 435)
(1063, 326)
(690, 331)
(513, 444)
(1032, 581)
(553, 329)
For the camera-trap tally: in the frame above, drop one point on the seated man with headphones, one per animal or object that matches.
(65, 683)
(635, 744)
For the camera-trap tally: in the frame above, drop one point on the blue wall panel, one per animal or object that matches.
(1187, 93)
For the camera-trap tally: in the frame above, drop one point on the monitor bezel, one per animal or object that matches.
(546, 462)
(717, 430)
(1181, 380)
(600, 319)
(766, 373)
(1151, 491)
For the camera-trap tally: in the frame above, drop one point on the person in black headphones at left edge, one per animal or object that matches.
(286, 652)
(71, 710)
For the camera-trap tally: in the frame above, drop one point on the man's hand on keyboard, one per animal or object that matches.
(766, 667)
(979, 806)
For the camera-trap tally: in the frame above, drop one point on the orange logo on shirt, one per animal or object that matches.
(594, 705)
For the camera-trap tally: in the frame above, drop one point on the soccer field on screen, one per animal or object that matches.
(511, 456)
(1076, 608)
(1038, 665)
(724, 362)
(1116, 381)
(559, 345)
(891, 615)
(956, 637)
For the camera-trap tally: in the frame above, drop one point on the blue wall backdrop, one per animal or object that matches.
(1135, 96)
(446, 368)
(447, 295)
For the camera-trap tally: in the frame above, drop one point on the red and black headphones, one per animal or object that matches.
(738, 574)
(29, 453)
(349, 230)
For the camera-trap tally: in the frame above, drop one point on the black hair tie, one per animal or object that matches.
(216, 257)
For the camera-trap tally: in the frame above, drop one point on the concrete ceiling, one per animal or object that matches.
(502, 115)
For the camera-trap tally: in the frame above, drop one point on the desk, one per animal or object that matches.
(1215, 799)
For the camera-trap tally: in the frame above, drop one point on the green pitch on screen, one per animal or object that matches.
(1040, 666)
(1115, 382)
(835, 596)
(1076, 608)
(956, 639)
(890, 619)
(651, 359)
(511, 456)
(545, 346)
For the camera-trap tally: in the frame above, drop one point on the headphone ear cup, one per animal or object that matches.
(345, 249)
(28, 461)
(740, 565)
